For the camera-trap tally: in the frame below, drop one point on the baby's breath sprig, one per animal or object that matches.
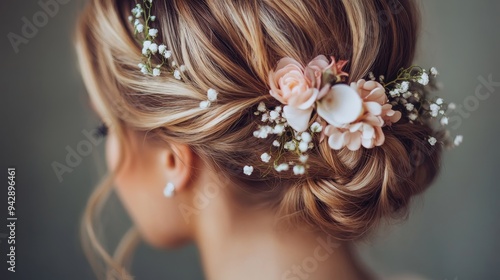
(287, 140)
(147, 35)
(405, 92)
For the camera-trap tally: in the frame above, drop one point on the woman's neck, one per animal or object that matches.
(243, 245)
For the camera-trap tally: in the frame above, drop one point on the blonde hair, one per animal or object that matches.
(232, 46)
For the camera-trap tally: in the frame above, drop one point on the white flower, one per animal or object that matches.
(434, 71)
(265, 117)
(153, 18)
(303, 146)
(144, 69)
(136, 22)
(282, 167)
(316, 127)
(263, 132)
(413, 117)
(441, 112)
(131, 18)
(140, 28)
(290, 146)
(204, 104)
(444, 121)
(410, 107)
(146, 44)
(439, 101)
(304, 158)
(407, 95)
(174, 63)
(452, 106)
(276, 143)
(404, 86)
(156, 72)
(423, 79)
(168, 54)
(273, 115)
(435, 109)
(153, 48)
(153, 32)
(299, 170)
(279, 129)
(262, 107)
(432, 141)
(458, 140)
(248, 170)
(183, 68)
(394, 92)
(162, 48)
(278, 109)
(177, 74)
(306, 137)
(212, 94)
(265, 157)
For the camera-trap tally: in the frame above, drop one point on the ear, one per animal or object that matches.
(179, 165)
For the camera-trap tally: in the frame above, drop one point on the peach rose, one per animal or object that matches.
(290, 86)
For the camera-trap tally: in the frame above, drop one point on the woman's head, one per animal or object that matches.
(160, 133)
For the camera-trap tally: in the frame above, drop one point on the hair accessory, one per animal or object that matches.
(147, 35)
(350, 116)
(169, 190)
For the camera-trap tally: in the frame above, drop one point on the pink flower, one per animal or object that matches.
(320, 65)
(290, 86)
(356, 115)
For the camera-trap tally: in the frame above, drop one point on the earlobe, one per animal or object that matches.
(179, 166)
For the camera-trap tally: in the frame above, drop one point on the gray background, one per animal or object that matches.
(451, 233)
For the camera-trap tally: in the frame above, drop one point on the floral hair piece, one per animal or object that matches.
(147, 35)
(350, 116)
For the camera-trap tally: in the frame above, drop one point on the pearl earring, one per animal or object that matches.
(169, 189)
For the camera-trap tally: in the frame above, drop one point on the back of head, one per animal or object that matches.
(233, 46)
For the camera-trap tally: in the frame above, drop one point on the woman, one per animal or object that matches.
(232, 125)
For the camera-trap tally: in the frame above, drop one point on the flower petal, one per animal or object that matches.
(354, 141)
(298, 119)
(374, 108)
(336, 140)
(341, 105)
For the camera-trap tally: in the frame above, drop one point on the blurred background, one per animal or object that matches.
(453, 231)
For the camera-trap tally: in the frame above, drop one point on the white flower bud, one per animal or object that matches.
(282, 167)
(303, 146)
(299, 170)
(153, 48)
(410, 107)
(162, 48)
(212, 94)
(153, 32)
(262, 107)
(140, 28)
(458, 140)
(177, 74)
(306, 137)
(205, 104)
(248, 170)
(432, 141)
(265, 157)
